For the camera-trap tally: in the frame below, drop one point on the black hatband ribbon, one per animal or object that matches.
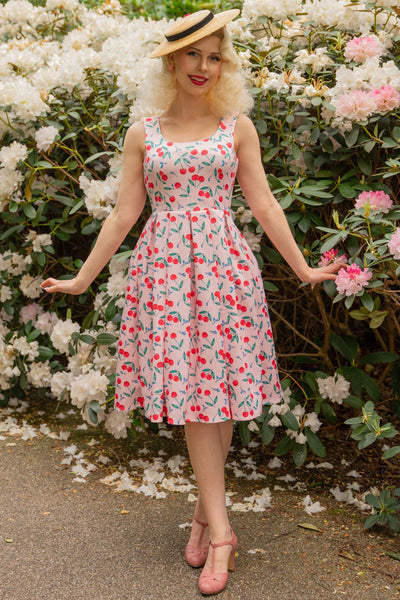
(190, 30)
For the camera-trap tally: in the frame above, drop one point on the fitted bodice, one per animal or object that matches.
(190, 175)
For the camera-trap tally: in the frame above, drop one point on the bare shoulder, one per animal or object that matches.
(244, 130)
(135, 138)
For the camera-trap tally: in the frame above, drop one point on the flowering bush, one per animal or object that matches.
(327, 86)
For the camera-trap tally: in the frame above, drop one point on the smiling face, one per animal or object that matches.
(198, 67)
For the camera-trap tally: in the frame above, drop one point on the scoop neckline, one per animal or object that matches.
(210, 137)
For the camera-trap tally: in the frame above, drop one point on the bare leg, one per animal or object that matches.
(208, 444)
(226, 429)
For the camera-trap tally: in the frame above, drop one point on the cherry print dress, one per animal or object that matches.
(195, 341)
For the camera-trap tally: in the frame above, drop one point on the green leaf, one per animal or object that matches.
(378, 358)
(331, 242)
(366, 441)
(244, 432)
(371, 520)
(351, 137)
(93, 415)
(361, 379)
(87, 339)
(346, 346)
(267, 433)
(290, 421)
(284, 445)
(393, 451)
(33, 335)
(367, 301)
(373, 501)
(95, 156)
(105, 339)
(314, 443)
(393, 522)
(347, 191)
(353, 402)
(299, 454)
(29, 211)
(269, 286)
(365, 165)
(261, 126)
(393, 555)
(45, 353)
(378, 319)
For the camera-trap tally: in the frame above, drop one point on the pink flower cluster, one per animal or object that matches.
(330, 257)
(394, 244)
(376, 202)
(351, 280)
(358, 105)
(361, 48)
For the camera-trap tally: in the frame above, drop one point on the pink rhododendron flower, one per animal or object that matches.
(386, 98)
(351, 280)
(356, 106)
(29, 312)
(376, 202)
(330, 257)
(361, 48)
(394, 244)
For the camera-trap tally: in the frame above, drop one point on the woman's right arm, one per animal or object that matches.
(130, 203)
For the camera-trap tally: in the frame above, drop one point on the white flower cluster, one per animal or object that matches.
(335, 388)
(45, 136)
(100, 196)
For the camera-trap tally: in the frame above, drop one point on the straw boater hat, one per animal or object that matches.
(191, 28)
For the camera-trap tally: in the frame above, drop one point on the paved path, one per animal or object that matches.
(69, 541)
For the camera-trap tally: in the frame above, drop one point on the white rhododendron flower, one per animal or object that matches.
(88, 386)
(9, 184)
(117, 422)
(28, 349)
(8, 368)
(61, 334)
(5, 293)
(312, 422)
(335, 388)
(252, 239)
(60, 382)
(39, 374)
(13, 263)
(276, 10)
(11, 155)
(45, 136)
(316, 60)
(30, 286)
(100, 196)
(38, 240)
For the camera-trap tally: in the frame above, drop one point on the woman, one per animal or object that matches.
(195, 343)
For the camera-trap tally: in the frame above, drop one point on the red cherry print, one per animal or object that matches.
(191, 169)
(182, 171)
(204, 152)
(194, 152)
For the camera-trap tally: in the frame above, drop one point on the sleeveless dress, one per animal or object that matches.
(195, 340)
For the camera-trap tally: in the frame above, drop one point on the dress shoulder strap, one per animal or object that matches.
(151, 127)
(228, 123)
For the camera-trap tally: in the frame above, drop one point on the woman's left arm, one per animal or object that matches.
(254, 185)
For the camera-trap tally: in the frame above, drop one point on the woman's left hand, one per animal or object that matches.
(320, 274)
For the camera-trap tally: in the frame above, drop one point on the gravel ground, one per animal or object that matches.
(67, 540)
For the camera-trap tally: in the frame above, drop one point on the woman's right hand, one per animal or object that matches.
(65, 286)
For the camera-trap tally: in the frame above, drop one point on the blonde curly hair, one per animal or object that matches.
(229, 95)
